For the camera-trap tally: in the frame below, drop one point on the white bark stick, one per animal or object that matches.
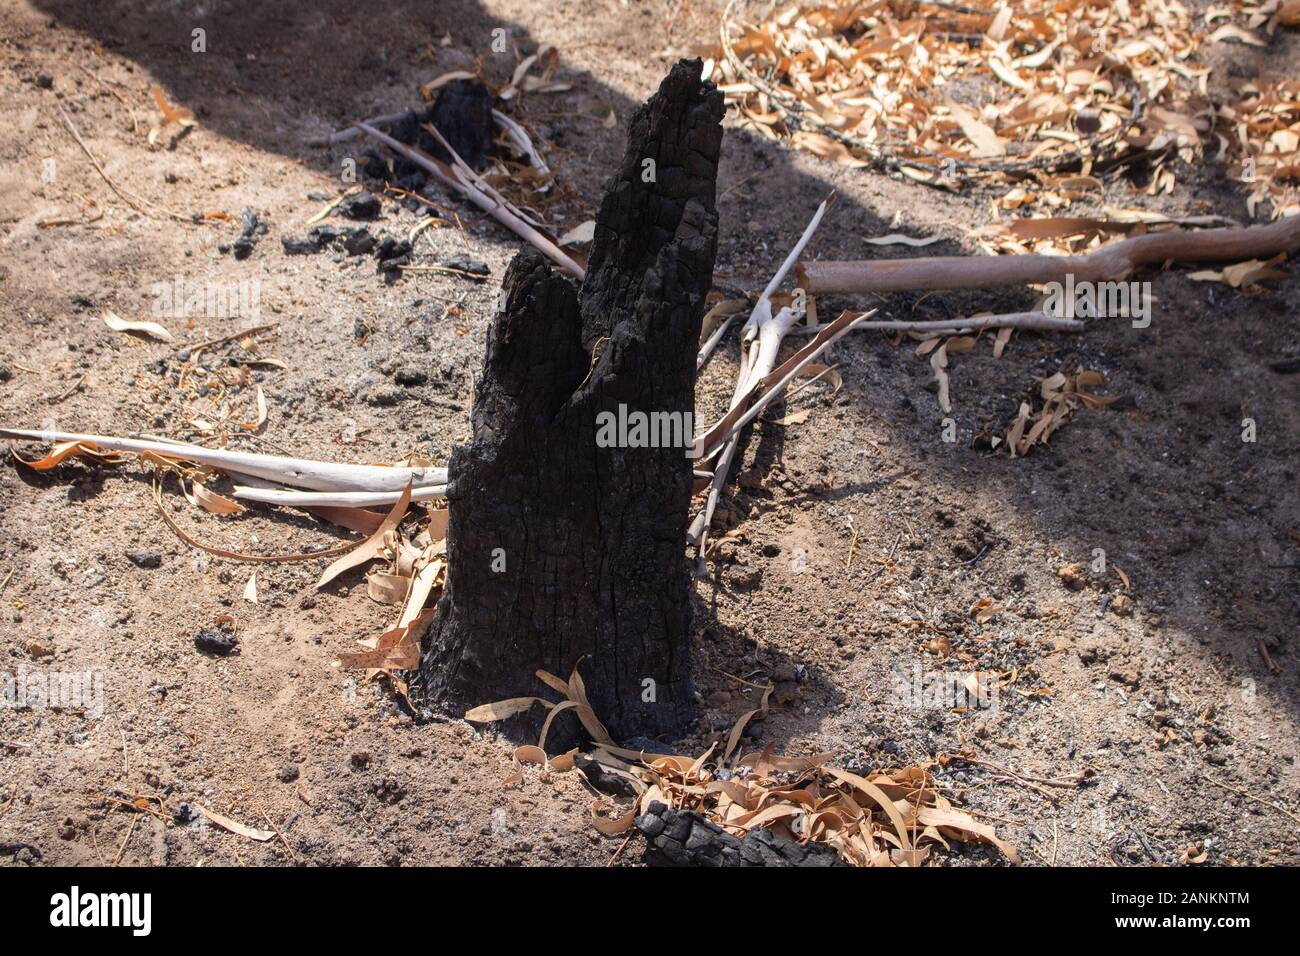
(761, 338)
(298, 472)
(1035, 321)
(335, 499)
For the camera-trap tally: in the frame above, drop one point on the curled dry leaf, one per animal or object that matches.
(939, 363)
(1061, 395)
(897, 239)
(502, 709)
(370, 548)
(177, 116)
(257, 424)
(1242, 275)
(151, 329)
(211, 501)
(583, 233)
(794, 418)
(68, 449)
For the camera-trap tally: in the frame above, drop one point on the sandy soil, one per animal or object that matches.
(861, 538)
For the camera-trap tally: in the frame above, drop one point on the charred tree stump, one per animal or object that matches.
(562, 547)
(683, 838)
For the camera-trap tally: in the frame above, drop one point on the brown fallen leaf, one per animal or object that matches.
(371, 547)
(211, 501)
(234, 826)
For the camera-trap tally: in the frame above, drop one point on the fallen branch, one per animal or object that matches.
(513, 220)
(760, 343)
(1033, 321)
(518, 135)
(138, 203)
(774, 383)
(298, 472)
(334, 499)
(1111, 263)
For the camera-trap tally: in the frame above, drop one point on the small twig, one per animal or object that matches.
(1250, 796)
(269, 822)
(137, 203)
(707, 348)
(1035, 321)
(71, 388)
(135, 820)
(620, 848)
(243, 333)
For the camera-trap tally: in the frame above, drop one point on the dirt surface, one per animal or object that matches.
(860, 539)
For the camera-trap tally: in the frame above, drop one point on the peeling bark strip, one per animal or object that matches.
(559, 549)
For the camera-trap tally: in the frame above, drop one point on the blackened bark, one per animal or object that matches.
(558, 548)
(684, 838)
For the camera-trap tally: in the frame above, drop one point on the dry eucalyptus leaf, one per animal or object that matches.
(371, 547)
(234, 826)
(151, 329)
(897, 239)
(580, 234)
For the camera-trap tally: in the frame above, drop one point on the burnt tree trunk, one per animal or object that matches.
(559, 548)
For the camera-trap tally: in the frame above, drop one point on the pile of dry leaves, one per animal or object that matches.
(946, 91)
(887, 818)
(959, 88)
(1061, 395)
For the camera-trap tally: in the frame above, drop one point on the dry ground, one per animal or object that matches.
(1172, 705)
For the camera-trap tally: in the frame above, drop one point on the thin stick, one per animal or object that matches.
(136, 202)
(1110, 263)
(1250, 796)
(255, 330)
(331, 499)
(71, 388)
(129, 833)
(1036, 321)
(352, 132)
(269, 822)
(707, 348)
(510, 220)
(250, 558)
